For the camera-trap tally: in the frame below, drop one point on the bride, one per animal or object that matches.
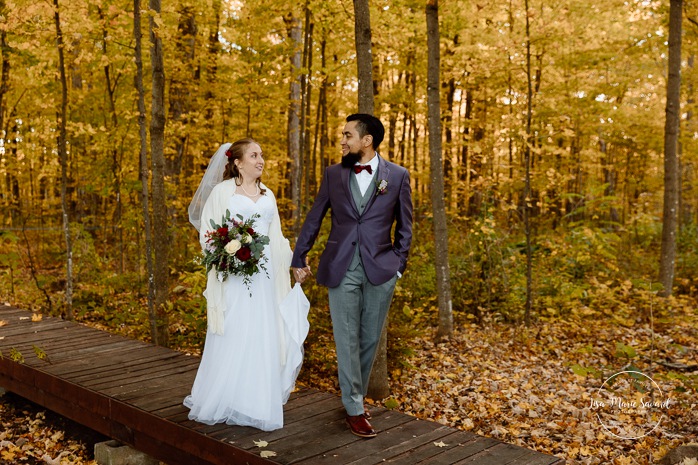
(254, 343)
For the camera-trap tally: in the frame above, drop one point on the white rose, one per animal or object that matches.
(233, 246)
(246, 239)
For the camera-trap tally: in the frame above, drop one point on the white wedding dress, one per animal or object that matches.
(247, 374)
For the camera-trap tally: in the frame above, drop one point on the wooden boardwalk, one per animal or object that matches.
(132, 391)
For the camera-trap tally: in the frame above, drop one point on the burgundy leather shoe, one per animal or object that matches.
(359, 425)
(367, 413)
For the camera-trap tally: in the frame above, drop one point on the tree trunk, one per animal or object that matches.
(306, 95)
(293, 26)
(4, 88)
(180, 106)
(527, 167)
(214, 49)
(320, 124)
(113, 146)
(5, 72)
(378, 387)
(145, 191)
(322, 109)
(161, 242)
(448, 129)
(63, 154)
(671, 161)
(364, 58)
(443, 275)
(686, 170)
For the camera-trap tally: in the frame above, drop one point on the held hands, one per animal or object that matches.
(301, 274)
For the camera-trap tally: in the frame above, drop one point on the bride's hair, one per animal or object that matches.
(236, 152)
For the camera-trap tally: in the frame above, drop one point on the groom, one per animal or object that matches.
(361, 261)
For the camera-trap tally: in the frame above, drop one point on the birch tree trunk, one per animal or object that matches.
(143, 158)
(161, 240)
(443, 274)
(63, 154)
(671, 160)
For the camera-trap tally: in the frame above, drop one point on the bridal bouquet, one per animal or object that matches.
(235, 248)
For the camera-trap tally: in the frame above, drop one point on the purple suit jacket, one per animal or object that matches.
(382, 256)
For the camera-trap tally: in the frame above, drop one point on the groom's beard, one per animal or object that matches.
(350, 159)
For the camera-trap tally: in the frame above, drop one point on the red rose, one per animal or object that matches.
(223, 231)
(250, 231)
(243, 254)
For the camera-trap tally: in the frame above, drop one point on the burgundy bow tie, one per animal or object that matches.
(360, 168)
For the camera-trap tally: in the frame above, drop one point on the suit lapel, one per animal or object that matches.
(345, 177)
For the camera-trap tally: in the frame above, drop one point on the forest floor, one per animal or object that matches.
(532, 387)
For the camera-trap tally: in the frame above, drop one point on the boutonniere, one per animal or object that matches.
(382, 187)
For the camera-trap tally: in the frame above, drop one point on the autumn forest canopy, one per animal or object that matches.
(571, 92)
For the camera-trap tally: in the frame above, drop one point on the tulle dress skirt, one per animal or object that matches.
(247, 374)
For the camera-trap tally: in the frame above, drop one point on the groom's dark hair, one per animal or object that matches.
(369, 125)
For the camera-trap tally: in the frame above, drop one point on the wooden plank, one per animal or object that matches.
(159, 395)
(120, 353)
(86, 352)
(173, 396)
(171, 411)
(499, 454)
(470, 446)
(309, 399)
(386, 444)
(423, 453)
(123, 374)
(132, 388)
(7, 311)
(395, 450)
(66, 342)
(115, 366)
(294, 425)
(532, 457)
(23, 329)
(59, 348)
(327, 438)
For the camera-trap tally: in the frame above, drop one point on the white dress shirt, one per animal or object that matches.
(364, 178)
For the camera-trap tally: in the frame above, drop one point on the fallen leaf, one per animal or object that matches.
(440, 444)
(267, 453)
(260, 443)
(3, 322)
(40, 353)
(16, 355)
(37, 317)
(23, 318)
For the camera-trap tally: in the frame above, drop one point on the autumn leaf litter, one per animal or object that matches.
(517, 385)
